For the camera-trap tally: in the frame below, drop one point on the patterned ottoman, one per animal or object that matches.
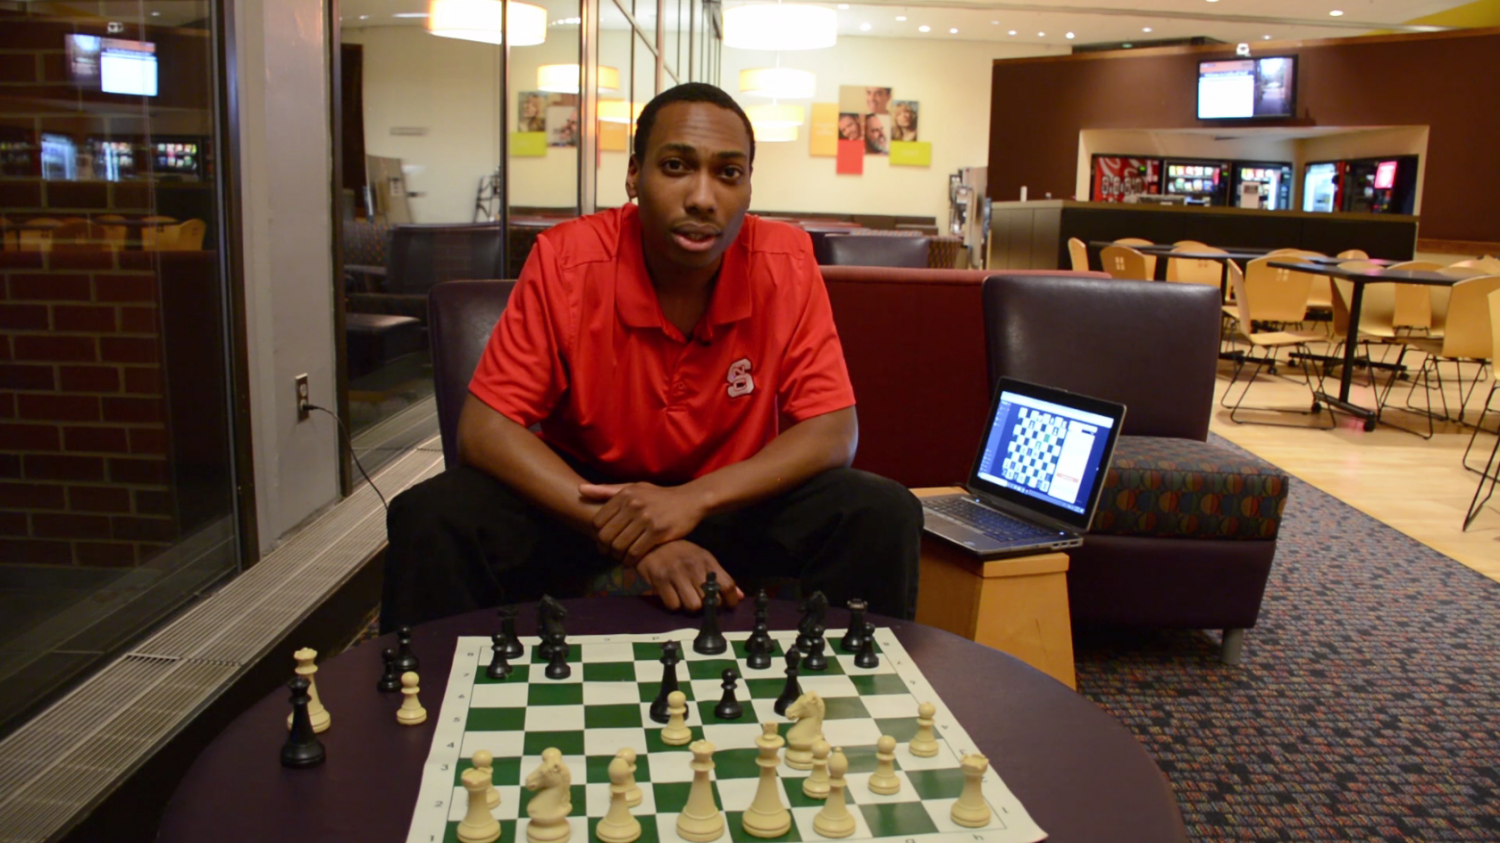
(1183, 488)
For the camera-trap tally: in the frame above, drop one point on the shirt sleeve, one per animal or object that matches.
(815, 378)
(521, 373)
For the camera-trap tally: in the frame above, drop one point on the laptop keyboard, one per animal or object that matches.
(994, 524)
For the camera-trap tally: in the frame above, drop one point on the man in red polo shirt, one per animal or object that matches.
(695, 412)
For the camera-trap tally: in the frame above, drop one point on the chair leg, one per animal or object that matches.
(1261, 362)
(1477, 504)
(1479, 425)
(1233, 649)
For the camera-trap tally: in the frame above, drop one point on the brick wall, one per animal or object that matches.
(84, 477)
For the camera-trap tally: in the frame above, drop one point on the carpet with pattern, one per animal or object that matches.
(1367, 707)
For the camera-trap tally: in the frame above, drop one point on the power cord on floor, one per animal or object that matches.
(350, 440)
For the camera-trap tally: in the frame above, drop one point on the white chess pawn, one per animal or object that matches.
(478, 825)
(676, 732)
(924, 744)
(700, 820)
(883, 780)
(971, 810)
(618, 826)
(411, 712)
(766, 816)
(485, 763)
(815, 786)
(834, 820)
(633, 796)
(321, 719)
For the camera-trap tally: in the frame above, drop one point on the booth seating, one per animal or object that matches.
(849, 250)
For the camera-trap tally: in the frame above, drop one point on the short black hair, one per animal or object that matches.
(689, 92)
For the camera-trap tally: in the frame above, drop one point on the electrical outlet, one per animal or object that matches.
(302, 399)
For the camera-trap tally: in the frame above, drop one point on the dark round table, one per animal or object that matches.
(1080, 774)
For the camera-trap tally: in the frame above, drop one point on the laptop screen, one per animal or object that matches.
(1047, 450)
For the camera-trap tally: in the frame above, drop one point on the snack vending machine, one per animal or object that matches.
(1199, 182)
(1266, 185)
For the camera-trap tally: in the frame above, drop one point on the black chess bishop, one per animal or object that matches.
(302, 747)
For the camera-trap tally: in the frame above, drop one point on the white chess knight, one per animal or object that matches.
(321, 719)
(633, 795)
(924, 744)
(700, 820)
(550, 807)
(618, 826)
(834, 819)
(767, 816)
(478, 825)
(676, 732)
(808, 711)
(971, 810)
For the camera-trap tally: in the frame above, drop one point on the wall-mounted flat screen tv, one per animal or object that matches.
(1246, 89)
(113, 65)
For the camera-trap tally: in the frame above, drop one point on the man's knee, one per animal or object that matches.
(879, 502)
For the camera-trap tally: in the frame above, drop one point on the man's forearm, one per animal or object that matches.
(494, 444)
(808, 448)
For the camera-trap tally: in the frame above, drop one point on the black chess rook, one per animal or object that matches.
(857, 609)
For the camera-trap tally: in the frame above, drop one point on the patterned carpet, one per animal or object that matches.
(1367, 708)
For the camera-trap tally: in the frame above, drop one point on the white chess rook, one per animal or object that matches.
(478, 825)
(633, 795)
(808, 711)
(553, 802)
(485, 763)
(618, 826)
(767, 816)
(319, 715)
(815, 786)
(834, 819)
(883, 780)
(676, 732)
(411, 712)
(971, 810)
(924, 744)
(700, 820)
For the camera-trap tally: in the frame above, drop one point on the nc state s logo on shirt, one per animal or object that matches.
(740, 382)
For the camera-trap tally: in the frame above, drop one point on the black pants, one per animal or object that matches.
(463, 541)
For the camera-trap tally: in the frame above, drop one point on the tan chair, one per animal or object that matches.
(1125, 263)
(188, 236)
(1419, 306)
(1269, 294)
(9, 239)
(1353, 255)
(1150, 259)
(1468, 337)
(1196, 270)
(1488, 264)
(1078, 252)
(35, 235)
(1488, 472)
(81, 236)
(155, 235)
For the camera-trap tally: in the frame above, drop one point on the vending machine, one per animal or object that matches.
(1198, 182)
(1381, 185)
(1262, 184)
(1322, 184)
(1117, 177)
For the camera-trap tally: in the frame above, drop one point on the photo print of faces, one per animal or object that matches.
(903, 120)
(877, 141)
(531, 111)
(851, 126)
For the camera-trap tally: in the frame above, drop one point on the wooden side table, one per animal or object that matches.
(1017, 605)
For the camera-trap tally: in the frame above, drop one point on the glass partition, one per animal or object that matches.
(117, 488)
(618, 108)
(546, 131)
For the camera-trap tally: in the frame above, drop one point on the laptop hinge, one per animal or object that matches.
(1015, 510)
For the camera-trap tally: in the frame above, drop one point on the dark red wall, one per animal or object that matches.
(1448, 81)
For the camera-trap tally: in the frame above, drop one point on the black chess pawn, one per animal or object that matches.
(815, 660)
(557, 665)
(866, 657)
(499, 668)
(759, 647)
(854, 636)
(511, 642)
(406, 660)
(302, 747)
(792, 690)
(729, 708)
(710, 641)
(390, 680)
(671, 652)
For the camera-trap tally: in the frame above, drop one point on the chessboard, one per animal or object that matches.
(603, 706)
(1032, 455)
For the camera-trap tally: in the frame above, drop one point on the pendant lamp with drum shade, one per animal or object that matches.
(480, 20)
(775, 123)
(563, 78)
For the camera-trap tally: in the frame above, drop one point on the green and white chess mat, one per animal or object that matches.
(604, 707)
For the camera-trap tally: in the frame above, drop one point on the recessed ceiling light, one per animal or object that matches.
(843, 7)
(1012, 32)
(1145, 29)
(1265, 38)
(410, 15)
(901, 17)
(953, 31)
(1335, 13)
(364, 17)
(566, 22)
(924, 28)
(994, 23)
(864, 27)
(1069, 36)
(1041, 35)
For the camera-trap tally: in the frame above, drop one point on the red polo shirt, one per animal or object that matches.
(583, 348)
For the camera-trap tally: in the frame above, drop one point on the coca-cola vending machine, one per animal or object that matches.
(1117, 176)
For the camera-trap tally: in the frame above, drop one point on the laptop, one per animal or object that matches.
(1036, 480)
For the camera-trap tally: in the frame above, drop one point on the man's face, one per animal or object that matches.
(849, 127)
(874, 131)
(693, 186)
(877, 99)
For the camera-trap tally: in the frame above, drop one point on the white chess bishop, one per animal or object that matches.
(700, 820)
(767, 816)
